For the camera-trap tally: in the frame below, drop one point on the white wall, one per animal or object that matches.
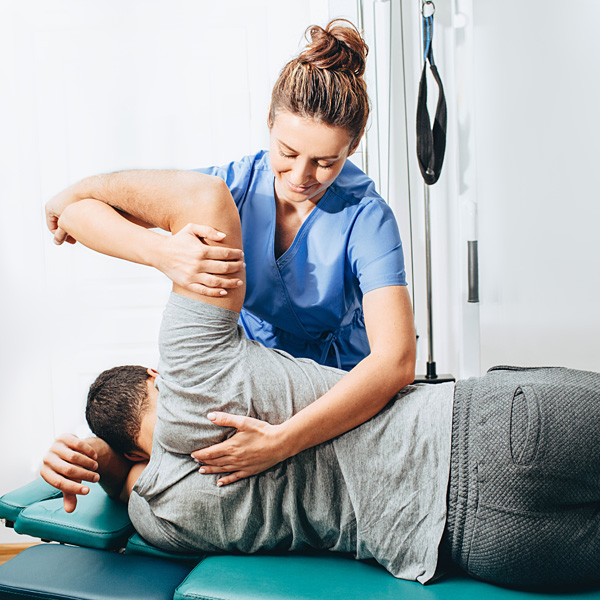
(97, 87)
(537, 94)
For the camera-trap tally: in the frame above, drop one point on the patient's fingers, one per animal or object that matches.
(68, 470)
(72, 442)
(60, 235)
(69, 462)
(69, 502)
(61, 483)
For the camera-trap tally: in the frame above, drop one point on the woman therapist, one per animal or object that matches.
(325, 268)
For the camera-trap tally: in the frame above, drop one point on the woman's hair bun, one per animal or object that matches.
(338, 47)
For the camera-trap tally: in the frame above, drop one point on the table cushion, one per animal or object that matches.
(53, 571)
(97, 522)
(12, 503)
(312, 577)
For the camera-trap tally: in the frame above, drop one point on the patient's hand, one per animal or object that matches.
(54, 209)
(70, 461)
(255, 447)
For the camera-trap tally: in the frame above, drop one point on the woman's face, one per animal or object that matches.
(306, 157)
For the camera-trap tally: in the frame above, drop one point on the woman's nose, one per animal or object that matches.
(303, 172)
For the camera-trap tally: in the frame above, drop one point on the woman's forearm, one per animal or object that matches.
(356, 398)
(367, 388)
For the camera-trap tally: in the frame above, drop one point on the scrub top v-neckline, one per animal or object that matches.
(288, 255)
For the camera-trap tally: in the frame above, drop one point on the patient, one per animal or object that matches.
(502, 473)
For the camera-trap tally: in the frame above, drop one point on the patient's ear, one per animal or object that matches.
(136, 456)
(152, 373)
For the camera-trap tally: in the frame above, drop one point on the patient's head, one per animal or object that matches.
(121, 409)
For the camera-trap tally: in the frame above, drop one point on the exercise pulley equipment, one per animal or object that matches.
(431, 147)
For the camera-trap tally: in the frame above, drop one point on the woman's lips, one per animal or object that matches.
(299, 189)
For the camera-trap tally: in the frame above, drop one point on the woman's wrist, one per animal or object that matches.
(288, 441)
(152, 249)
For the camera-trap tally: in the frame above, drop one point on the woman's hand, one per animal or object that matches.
(254, 448)
(192, 264)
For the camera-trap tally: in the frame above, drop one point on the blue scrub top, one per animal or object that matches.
(309, 301)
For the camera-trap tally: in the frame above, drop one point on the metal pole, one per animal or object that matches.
(431, 370)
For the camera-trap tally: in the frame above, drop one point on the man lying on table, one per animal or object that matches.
(501, 473)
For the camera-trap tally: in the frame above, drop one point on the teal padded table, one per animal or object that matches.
(93, 569)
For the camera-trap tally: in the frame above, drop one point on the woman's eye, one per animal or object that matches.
(324, 166)
(286, 155)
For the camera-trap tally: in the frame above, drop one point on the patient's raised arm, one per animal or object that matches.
(152, 199)
(99, 227)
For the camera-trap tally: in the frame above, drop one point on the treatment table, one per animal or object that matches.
(100, 557)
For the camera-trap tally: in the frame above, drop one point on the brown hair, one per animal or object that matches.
(325, 81)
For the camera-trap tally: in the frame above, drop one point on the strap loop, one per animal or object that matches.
(431, 142)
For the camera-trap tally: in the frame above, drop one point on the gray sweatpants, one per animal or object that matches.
(524, 491)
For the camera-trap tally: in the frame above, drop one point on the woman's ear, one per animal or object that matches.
(353, 148)
(152, 373)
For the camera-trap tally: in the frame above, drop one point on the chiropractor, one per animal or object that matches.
(325, 267)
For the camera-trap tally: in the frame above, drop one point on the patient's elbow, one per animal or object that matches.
(212, 192)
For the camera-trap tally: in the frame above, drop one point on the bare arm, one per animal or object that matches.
(149, 199)
(99, 227)
(148, 195)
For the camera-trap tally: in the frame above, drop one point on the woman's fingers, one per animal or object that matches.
(222, 267)
(233, 477)
(210, 233)
(205, 231)
(208, 470)
(226, 420)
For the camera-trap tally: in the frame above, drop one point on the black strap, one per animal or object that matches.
(431, 142)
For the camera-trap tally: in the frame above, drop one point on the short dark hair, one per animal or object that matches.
(116, 403)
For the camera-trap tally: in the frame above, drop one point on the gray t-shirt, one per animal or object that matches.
(378, 491)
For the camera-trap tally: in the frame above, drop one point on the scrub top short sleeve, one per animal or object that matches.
(375, 249)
